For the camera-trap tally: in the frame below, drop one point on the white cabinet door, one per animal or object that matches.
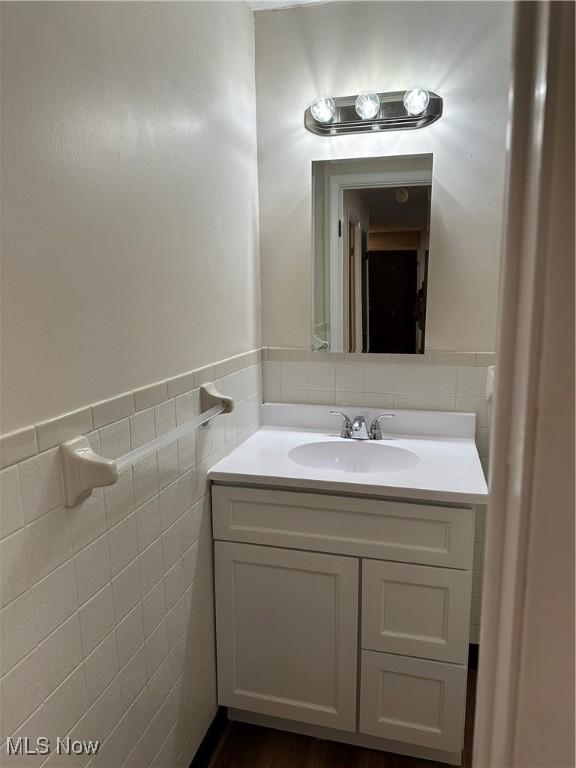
(287, 628)
(416, 610)
(413, 700)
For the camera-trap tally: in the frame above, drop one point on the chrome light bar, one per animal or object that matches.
(392, 116)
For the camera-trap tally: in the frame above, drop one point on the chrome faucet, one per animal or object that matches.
(346, 430)
(358, 429)
(376, 429)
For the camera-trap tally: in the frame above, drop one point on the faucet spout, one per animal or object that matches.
(359, 429)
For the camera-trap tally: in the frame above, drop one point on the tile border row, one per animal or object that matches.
(28, 441)
(431, 357)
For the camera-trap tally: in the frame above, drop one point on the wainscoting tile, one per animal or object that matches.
(379, 378)
(96, 619)
(133, 677)
(115, 439)
(74, 582)
(349, 377)
(21, 691)
(344, 398)
(203, 375)
(49, 542)
(271, 374)
(439, 402)
(41, 484)
(294, 375)
(142, 428)
(378, 400)
(88, 520)
(109, 411)
(100, 667)
(122, 544)
(18, 635)
(180, 384)
(55, 431)
(165, 417)
(126, 589)
(60, 653)
(441, 380)
(410, 379)
(321, 376)
(17, 446)
(409, 402)
(129, 635)
(294, 395)
(54, 599)
(92, 569)
(471, 382)
(321, 397)
(11, 517)
(151, 395)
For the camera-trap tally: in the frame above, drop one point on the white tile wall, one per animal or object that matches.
(106, 620)
(435, 381)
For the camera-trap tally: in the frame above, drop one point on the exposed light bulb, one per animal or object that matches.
(401, 195)
(323, 110)
(367, 105)
(416, 100)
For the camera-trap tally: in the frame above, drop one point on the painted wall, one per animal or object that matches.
(129, 210)
(461, 51)
(129, 255)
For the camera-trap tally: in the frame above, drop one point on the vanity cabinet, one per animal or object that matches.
(345, 617)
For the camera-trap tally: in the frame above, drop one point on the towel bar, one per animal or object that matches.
(83, 469)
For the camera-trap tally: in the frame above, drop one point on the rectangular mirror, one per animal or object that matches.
(371, 223)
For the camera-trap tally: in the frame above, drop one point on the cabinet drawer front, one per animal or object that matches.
(416, 610)
(287, 637)
(391, 530)
(413, 700)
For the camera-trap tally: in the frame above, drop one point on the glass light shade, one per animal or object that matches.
(416, 100)
(323, 110)
(368, 106)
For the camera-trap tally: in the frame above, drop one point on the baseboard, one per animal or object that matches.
(211, 740)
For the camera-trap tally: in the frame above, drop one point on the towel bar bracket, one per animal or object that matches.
(83, 469)
(210, 397)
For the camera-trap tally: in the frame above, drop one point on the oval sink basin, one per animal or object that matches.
(353, 456)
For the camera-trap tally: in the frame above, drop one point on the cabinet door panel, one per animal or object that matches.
(413, 700)
(287, 633)
(416, 610)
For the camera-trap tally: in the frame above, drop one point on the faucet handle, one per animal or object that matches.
(346, 430)
(376, 429)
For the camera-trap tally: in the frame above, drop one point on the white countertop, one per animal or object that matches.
(448, 469)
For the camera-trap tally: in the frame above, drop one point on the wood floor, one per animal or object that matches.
(249, 746)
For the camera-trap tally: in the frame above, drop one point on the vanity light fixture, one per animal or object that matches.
(323, 110)
(416, 100)
(392, 111)
(367, 105)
